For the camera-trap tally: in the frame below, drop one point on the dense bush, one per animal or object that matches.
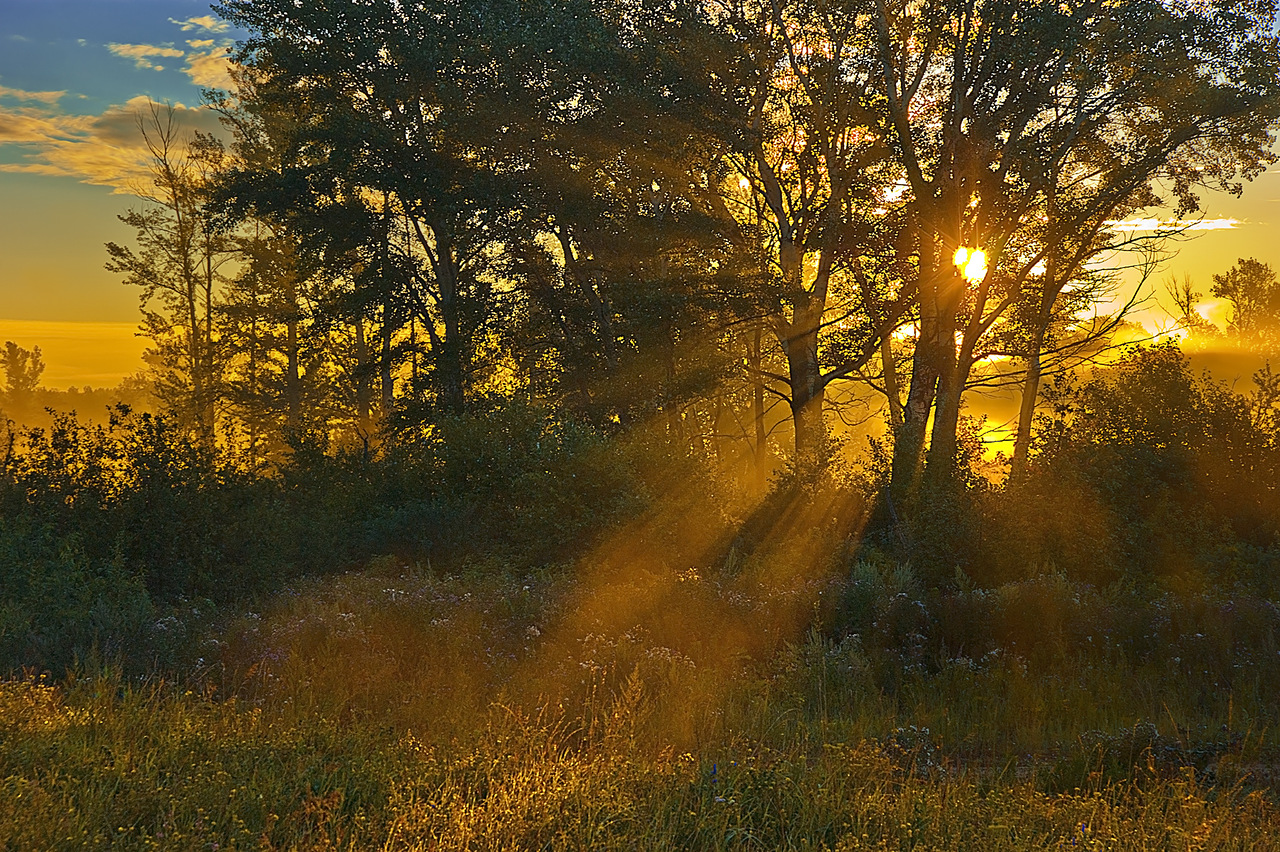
(103, 526)
(1142, 474)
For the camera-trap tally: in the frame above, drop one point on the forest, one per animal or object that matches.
(668, 424)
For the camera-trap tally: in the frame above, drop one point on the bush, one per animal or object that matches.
(1147, 474)
(61, 608)
(103, 522)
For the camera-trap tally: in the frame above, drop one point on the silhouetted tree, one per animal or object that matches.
(999, 109)
(22, 371)
(1254, 293)
(177, 267)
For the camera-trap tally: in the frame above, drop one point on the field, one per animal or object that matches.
(402, 708)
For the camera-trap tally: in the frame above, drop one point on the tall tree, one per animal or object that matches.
(177, 266)
(404, 104)
(1000, 109)
(808, 192)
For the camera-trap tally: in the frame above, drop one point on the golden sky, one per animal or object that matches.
(99, 354)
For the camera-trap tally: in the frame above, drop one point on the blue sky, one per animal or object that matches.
(72, 74)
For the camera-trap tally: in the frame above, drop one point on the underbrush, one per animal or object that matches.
(507, 632)
(112, 534)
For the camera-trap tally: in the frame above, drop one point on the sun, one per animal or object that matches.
(972, 263)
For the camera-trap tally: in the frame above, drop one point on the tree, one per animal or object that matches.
(177, 267)
(22, 371)
(1254, 293)
(284, 353)
(810, 154)
(1011, 117)
(458, 164)
(401, 181)
(624, 258)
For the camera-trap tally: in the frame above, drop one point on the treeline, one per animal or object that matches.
(25, 401)
(686, 212)
(487, 280)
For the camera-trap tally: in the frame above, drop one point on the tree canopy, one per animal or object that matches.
(687, 211)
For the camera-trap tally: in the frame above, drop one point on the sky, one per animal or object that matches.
(73, 74)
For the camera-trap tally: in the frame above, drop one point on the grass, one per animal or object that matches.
(587, 708)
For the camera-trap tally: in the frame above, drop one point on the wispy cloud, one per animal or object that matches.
(1175, 224)
(141, 54)
(104, 150)
(22, 95)
(204, 23)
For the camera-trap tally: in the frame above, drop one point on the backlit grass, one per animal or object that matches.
(400, 709)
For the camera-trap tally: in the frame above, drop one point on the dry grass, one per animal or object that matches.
(656, 709)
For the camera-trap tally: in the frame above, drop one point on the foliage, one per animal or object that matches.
(139, 512)
(1146, 472)
(22, 370)
(1254, 293)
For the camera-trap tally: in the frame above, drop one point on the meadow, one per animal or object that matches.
(565, 431)
(395, 708)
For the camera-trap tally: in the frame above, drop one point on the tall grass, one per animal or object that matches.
(659, 709)
(96, 765)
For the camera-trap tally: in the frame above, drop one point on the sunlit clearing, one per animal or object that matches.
(972, 263)
(743, 183)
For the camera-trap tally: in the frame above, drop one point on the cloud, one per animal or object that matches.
(204, 23)
(21, 95)
(104, 150)
(210, 68)
(141, 54)
(1175, 224)
(206, 64)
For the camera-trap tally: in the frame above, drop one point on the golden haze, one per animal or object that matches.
(80, 353)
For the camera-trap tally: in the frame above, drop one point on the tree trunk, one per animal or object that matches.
(891, 391)
(760, 456)
(808, 390)
(386, 377)
(364, 419)
(449, 359)
(1027, 411)
(598, 302)
(946, 413)
(293, 367)
(926, 367)
(1031, 385)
